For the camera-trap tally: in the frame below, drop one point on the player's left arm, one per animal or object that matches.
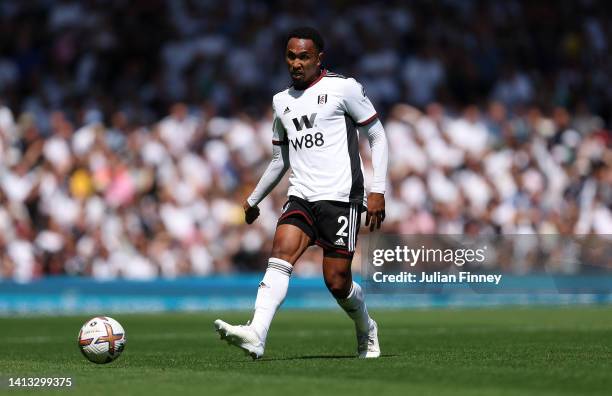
(361, 110)
(380, 158)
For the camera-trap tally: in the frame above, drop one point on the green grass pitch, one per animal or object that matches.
(505, 351)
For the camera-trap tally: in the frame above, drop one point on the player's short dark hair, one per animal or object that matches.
(306, 32)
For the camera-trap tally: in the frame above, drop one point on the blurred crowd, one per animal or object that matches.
(143, 201)
(92, 58)
(132, 131)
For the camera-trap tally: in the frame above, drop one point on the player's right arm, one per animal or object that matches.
(274, 172)
(361, 110)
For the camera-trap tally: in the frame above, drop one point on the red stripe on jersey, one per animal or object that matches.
(369, 120)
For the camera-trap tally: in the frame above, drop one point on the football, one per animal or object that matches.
(101, 339)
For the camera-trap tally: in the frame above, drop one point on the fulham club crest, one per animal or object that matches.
(322, 99)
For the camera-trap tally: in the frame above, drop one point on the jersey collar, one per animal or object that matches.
(316, 80)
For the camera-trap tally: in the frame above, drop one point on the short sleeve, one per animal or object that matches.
(279, 135)
(357, 104)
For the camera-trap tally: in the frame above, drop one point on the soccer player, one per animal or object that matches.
(315, 133)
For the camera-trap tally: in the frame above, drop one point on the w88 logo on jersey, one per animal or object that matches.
(308, 140)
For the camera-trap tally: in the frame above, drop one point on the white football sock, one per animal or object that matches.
(355, 307)
(270, 295)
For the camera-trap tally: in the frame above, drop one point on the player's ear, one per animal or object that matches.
(321, 56)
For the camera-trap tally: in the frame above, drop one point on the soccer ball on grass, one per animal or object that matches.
(101, 339)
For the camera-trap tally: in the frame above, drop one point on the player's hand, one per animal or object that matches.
(250, 212)
(376, 210)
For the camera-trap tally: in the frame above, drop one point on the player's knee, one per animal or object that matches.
(285, 250)
(289, 243)
(339, 284)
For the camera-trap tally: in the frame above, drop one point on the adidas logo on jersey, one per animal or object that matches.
(286, 110)
(340, 242)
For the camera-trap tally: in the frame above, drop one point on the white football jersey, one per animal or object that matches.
(319, 124)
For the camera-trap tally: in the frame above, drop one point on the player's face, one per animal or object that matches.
(303, 61)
